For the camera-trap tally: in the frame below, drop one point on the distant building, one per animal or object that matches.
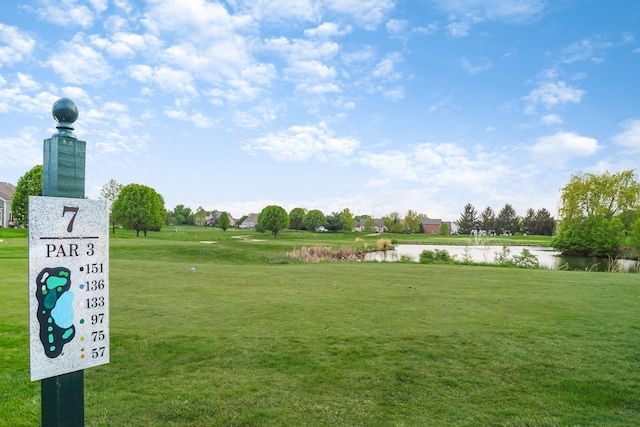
(250, 222)
(212, 219)
(6, 195)
(433, 226)
(377, 225)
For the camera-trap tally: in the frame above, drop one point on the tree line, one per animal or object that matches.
(599, 214)
(507, 221)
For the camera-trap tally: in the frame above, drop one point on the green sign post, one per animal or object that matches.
(68, 276)
(63, 176)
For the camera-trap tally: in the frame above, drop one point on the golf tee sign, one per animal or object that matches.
(68, 285)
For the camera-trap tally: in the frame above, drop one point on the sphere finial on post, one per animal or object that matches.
(65, 112)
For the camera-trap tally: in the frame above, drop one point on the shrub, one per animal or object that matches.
(526, 259)
(430, 256)
(384, 244)
(324, 254)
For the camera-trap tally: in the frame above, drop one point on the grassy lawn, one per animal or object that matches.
(250, 340)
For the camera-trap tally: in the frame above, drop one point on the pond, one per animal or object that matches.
(547, 257)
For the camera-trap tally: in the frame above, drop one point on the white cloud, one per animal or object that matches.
(551, 94)
(168, 79)
(429, 29)
(27, 82)
(194, 19)
(313, 77)
(585, 50)
(197, 119)
(14, 46)
(459, 29)
(483, 64)
(76, 62)
(562, 147)
(507, 10)
(551, 119)
(386, 68)
(18, 96)
(300, 143)
(368, 13)
(281, 10)
(69, 12)
(630, 137)
(127, 45)
(257, 116)
(444, 169)
(397, 27)
(24, 150)
(465, 13)
(394, 93)
(299, 49)
(328, 29)
(392, 164)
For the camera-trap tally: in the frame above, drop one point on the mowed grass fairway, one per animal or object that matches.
(248, 340)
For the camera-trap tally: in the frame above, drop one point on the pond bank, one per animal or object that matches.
(547, 257)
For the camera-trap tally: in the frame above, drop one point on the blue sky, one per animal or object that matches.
(372, 105)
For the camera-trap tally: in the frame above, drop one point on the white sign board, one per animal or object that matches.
(68, 285)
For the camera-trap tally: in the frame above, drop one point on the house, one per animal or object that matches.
(432, 226)
(212, 219)
(6, 195)
(377, 225)
(250, 222)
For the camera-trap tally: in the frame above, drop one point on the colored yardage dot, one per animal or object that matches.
(81, 338)
(81, 269)
(81, 285)
(81, 321)
(82, 356)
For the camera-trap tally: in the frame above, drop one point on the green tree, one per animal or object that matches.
(369, 225)
(29, 184)
(139, 208)
(412, 221)
(635, 235)
(444, 229)
(224, 222)
(468, 219)
(183, 215)
(296, 217)
(607, 195)
(529, 222)
(110, 192)
(507, 220)
(543, 223)
(273, 218)
(314, 219)
(594, 236)
(394, 223)
(348, 220)
(334, 222)
(200, 217)
(487, 220)
(593, 212)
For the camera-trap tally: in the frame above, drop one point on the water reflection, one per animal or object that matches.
(547, 257)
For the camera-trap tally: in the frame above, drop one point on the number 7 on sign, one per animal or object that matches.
(66, 209)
